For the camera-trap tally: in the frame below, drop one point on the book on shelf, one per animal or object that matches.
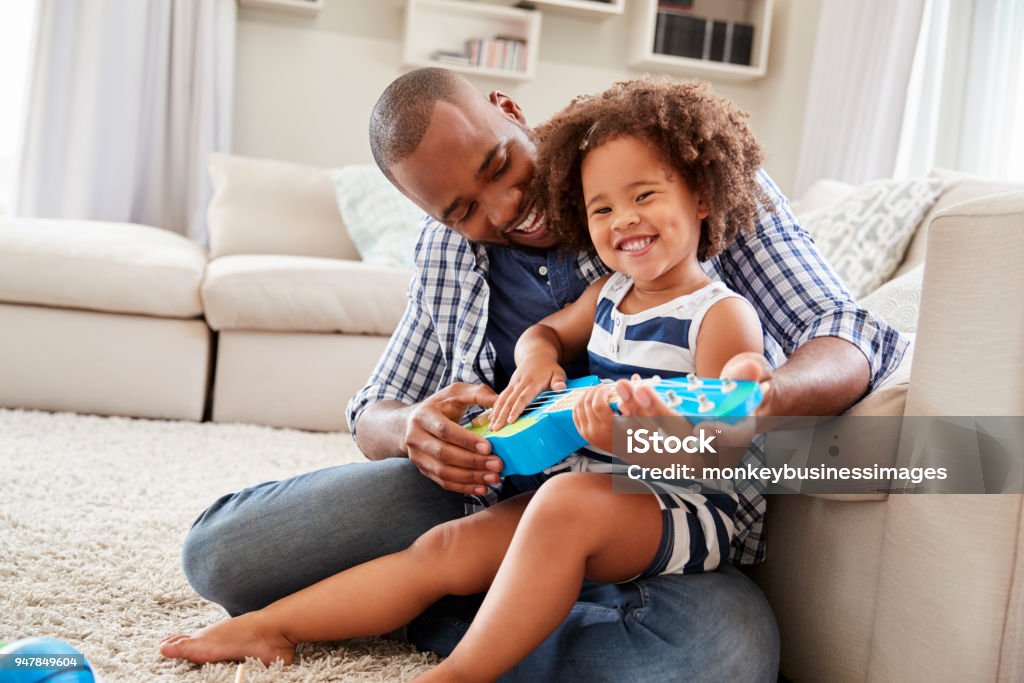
(675, 5)
(682, 34)
(505, 53)
(450, 57)
(741, 50)
(679, 35)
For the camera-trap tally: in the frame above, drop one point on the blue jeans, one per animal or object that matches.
(260, 544)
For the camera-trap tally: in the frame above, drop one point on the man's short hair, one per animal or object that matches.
(401, 116)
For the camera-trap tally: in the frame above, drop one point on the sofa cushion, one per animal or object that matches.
(114, 267)
(382, 222)
(273, 207)
(865, 235)
(303, 294)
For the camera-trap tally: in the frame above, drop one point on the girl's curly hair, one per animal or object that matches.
(703, 137)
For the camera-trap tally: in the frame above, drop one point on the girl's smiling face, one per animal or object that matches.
(644, 220)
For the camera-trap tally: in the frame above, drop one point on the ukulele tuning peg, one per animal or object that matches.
(728, 385)
(672, 399)
(693, 381)
(704, 404)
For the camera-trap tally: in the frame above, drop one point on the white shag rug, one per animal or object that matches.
(93, 511)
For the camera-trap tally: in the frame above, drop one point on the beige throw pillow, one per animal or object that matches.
(261, 206)
(897, 302)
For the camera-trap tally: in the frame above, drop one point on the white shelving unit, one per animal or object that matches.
(308, 8)
(433, 25)
(579, 8)
(758, 13)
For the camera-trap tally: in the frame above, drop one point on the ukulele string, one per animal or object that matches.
(555, 395)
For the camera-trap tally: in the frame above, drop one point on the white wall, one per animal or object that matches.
(305, 87)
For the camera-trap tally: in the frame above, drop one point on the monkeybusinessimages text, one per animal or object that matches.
(653, 442)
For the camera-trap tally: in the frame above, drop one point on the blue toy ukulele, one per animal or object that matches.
(544, 434)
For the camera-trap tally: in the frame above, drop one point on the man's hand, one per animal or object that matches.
(753, 367)
(443, 450)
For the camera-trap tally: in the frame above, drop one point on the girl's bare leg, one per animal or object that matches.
(575, 526)
(457, 558)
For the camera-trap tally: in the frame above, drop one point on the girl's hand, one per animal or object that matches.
(527, 381)
(731, 440)
(592, 414)
(637, 399)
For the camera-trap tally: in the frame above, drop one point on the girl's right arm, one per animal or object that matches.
(542, 349)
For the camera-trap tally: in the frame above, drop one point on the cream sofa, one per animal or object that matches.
(279, 324)
(106, 319)
(921, 587)
(102, 318)
(300, 319)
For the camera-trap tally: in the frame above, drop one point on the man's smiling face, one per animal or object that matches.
(472, 172)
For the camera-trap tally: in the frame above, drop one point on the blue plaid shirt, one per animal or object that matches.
(797, 295)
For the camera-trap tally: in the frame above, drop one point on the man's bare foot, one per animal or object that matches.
(234, 639)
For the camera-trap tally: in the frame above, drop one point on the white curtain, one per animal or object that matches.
(966, 100)
(127, 99)
(863, 56)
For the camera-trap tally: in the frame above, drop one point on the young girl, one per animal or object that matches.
(663, 176)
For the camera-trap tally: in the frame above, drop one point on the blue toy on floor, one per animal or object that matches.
(35, 660)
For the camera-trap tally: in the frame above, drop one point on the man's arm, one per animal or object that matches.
(382, 430)
(407, 371)
(837, 351)
(399, 413)
(825, 376)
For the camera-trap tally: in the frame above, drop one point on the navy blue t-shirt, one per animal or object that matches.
(527, 285)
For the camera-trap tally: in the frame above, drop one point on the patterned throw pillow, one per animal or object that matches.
(381, 221)
(865, 235)
(898, 301)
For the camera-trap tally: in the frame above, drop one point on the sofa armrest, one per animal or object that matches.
(969, 351)
(950, 602)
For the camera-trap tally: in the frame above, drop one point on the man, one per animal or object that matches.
(487, 269)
